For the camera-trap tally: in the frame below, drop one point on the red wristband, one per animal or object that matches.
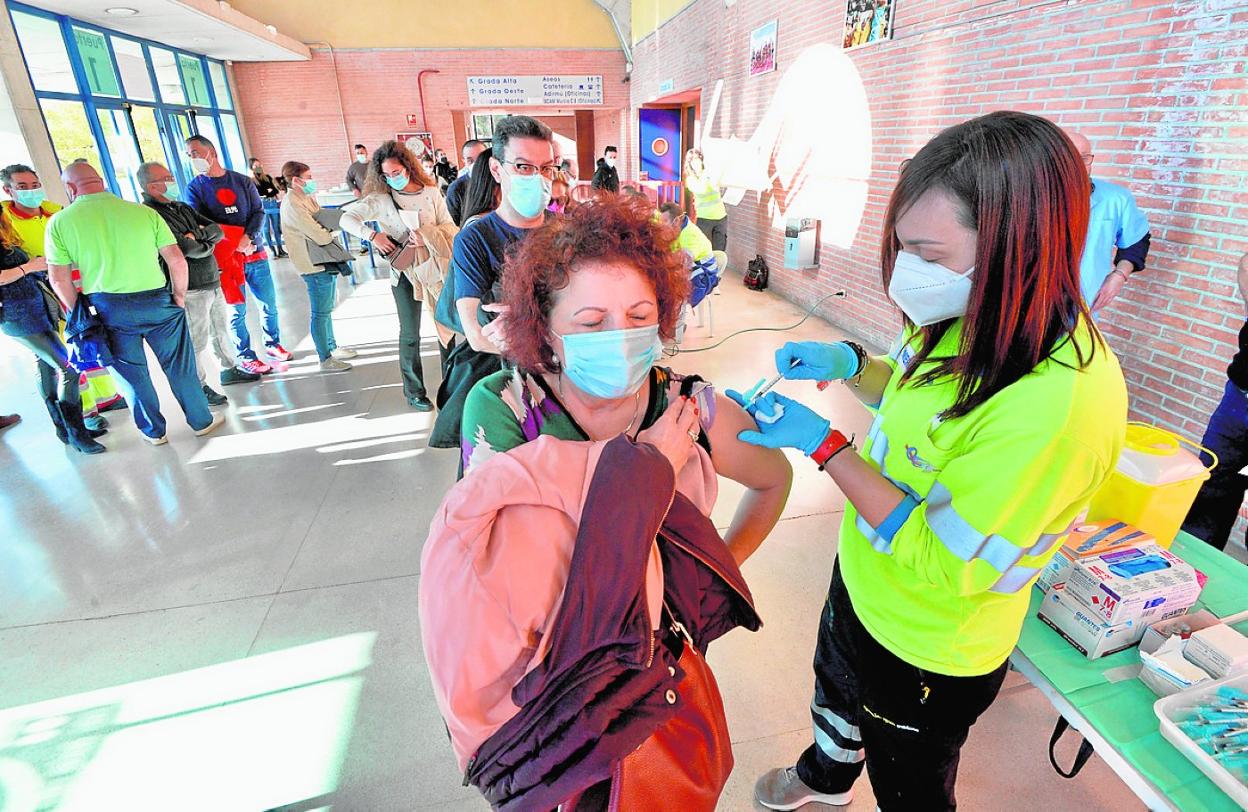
(834, 443)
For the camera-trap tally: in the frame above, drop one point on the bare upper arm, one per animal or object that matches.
(752, 466)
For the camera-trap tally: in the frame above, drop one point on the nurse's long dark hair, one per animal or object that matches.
(1021, 185)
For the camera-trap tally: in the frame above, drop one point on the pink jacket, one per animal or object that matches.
(508, 568)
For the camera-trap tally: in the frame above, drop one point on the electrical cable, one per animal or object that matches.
(838, 294)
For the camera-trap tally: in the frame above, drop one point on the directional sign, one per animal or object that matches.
(193, 79)
(534, 91)
(93, 51)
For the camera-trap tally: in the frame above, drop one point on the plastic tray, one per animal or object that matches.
(1172, 709)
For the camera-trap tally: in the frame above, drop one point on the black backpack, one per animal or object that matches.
(757, 275)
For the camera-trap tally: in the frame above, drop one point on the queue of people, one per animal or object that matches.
(997, 414)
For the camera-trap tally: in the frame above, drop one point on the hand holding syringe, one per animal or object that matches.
(811, 361)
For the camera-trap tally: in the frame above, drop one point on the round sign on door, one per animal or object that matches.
(660, 147)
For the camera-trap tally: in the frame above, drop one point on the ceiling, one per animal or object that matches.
(202, 26)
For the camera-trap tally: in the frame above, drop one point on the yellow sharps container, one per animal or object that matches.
(1154, 484)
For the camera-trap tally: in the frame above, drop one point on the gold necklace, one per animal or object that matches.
(636, 403)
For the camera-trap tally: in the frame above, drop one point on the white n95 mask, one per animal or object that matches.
(928, 292)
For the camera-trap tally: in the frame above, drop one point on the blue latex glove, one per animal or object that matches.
(816, 361)
(783, 423)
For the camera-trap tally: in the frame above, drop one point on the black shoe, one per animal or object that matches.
(420, 404)
(119, 403)
(79, 437)
(95, 422)
(214, 398)
(282, 255)
(234, 375)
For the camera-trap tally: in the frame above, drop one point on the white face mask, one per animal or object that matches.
(610, 162)
(928, 292)
(200, 165)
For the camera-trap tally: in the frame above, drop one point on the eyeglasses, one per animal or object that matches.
(529, 170)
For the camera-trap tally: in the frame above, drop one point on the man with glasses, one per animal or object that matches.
(528, 165)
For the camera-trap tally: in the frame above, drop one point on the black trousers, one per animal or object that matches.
(409, 310)
(908, 724)
(716, 231)
(58, 380)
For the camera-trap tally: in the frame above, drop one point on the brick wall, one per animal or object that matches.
(1158, 85)
(291, 108)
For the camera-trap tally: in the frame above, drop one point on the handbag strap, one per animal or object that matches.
(1081, 758)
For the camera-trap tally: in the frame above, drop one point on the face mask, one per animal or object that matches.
(528, 195)
(309, 187)
(361, 159)
(611, 163)
(200, 165)
(171, 190)
(928, 292)
(398, 182)
(612, 363)
(30, 198)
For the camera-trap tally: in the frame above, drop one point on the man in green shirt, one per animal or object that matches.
(117, 246)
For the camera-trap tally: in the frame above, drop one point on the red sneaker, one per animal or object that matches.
(279, 353)
(255, 366)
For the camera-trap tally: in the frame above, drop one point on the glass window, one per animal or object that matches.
(179, 131)
(148, 134)
(43, 48)
(134, 76)
(71, 134)
(483, 127)
(234, 143)
(97, 62)
(167, 76)
(220, 86)
(121, 150)
(193, 80)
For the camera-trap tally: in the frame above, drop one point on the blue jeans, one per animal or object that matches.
(260, 280)
(272, 215)
(322, 293)
(1217, 505)
(151, 316)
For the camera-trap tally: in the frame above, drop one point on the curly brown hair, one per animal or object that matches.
(375, 182)
(614, 228)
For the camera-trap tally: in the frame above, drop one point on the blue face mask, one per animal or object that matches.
(611, 363)
(397, 182)
(309, 187)
(528, 195)
(30, 198)
(171, 190)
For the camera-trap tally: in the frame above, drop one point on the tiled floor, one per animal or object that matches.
(231, 623)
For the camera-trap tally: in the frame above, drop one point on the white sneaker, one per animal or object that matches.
(344, 353)
(334, 365)
(161, 440)
(217, 420)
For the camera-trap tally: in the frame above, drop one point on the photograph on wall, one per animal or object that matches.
(868, 21)
(418, 143)
(763, 49)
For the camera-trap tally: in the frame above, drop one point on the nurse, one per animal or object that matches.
(998, 413)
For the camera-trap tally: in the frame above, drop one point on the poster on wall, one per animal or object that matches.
(867, 22)
(763, 49)
(418, 143)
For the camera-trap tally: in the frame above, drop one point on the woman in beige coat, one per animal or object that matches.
(404, 201)
(301, 230)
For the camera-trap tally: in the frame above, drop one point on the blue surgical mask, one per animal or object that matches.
(611, 363)
(309, 187)
(397, 182)
(30, 198)
(361, 159)
(528, 195)
(171, 190)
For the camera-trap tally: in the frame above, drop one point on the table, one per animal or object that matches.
(1113, 710)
